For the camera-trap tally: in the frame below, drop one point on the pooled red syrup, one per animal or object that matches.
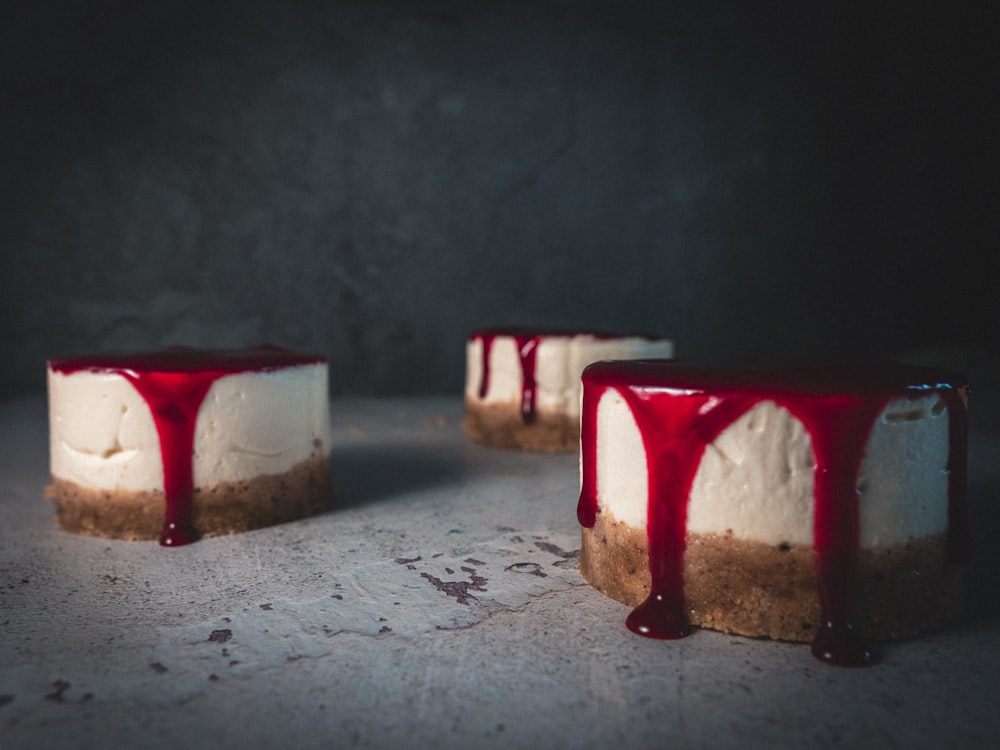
(527, 349)
(681, 408)
(174, 382)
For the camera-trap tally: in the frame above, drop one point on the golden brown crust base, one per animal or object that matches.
(501, 426)
(756, 589)
(226, 508)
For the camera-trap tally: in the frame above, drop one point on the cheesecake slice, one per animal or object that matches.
(186, 443)
(522, 387)
(803, 503)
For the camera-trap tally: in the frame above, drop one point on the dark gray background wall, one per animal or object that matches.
(374, 179)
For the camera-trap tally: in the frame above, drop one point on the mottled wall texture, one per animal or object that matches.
(374, 179)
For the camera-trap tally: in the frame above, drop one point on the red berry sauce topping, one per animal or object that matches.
(174, 382)
(680, 408)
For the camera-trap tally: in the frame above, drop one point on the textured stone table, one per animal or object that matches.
(438, 606)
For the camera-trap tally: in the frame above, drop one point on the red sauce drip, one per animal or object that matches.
(681, 408)
(527, 348)
(174, 382)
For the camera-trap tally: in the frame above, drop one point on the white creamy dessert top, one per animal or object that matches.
(756, 479)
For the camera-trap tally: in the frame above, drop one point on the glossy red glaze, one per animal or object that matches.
(681, 408)
(174, 382)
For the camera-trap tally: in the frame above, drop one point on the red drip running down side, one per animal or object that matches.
(527, 350)
(174, 382)
(681, 408)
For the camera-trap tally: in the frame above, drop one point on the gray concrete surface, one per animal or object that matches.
(439, 606)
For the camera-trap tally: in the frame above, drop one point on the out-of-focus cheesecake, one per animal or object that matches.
(522, 387)
(804, 503)
(186, 443)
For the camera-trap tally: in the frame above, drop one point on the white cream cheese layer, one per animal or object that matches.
(102, 434)
(560, 361)
(756, 479)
